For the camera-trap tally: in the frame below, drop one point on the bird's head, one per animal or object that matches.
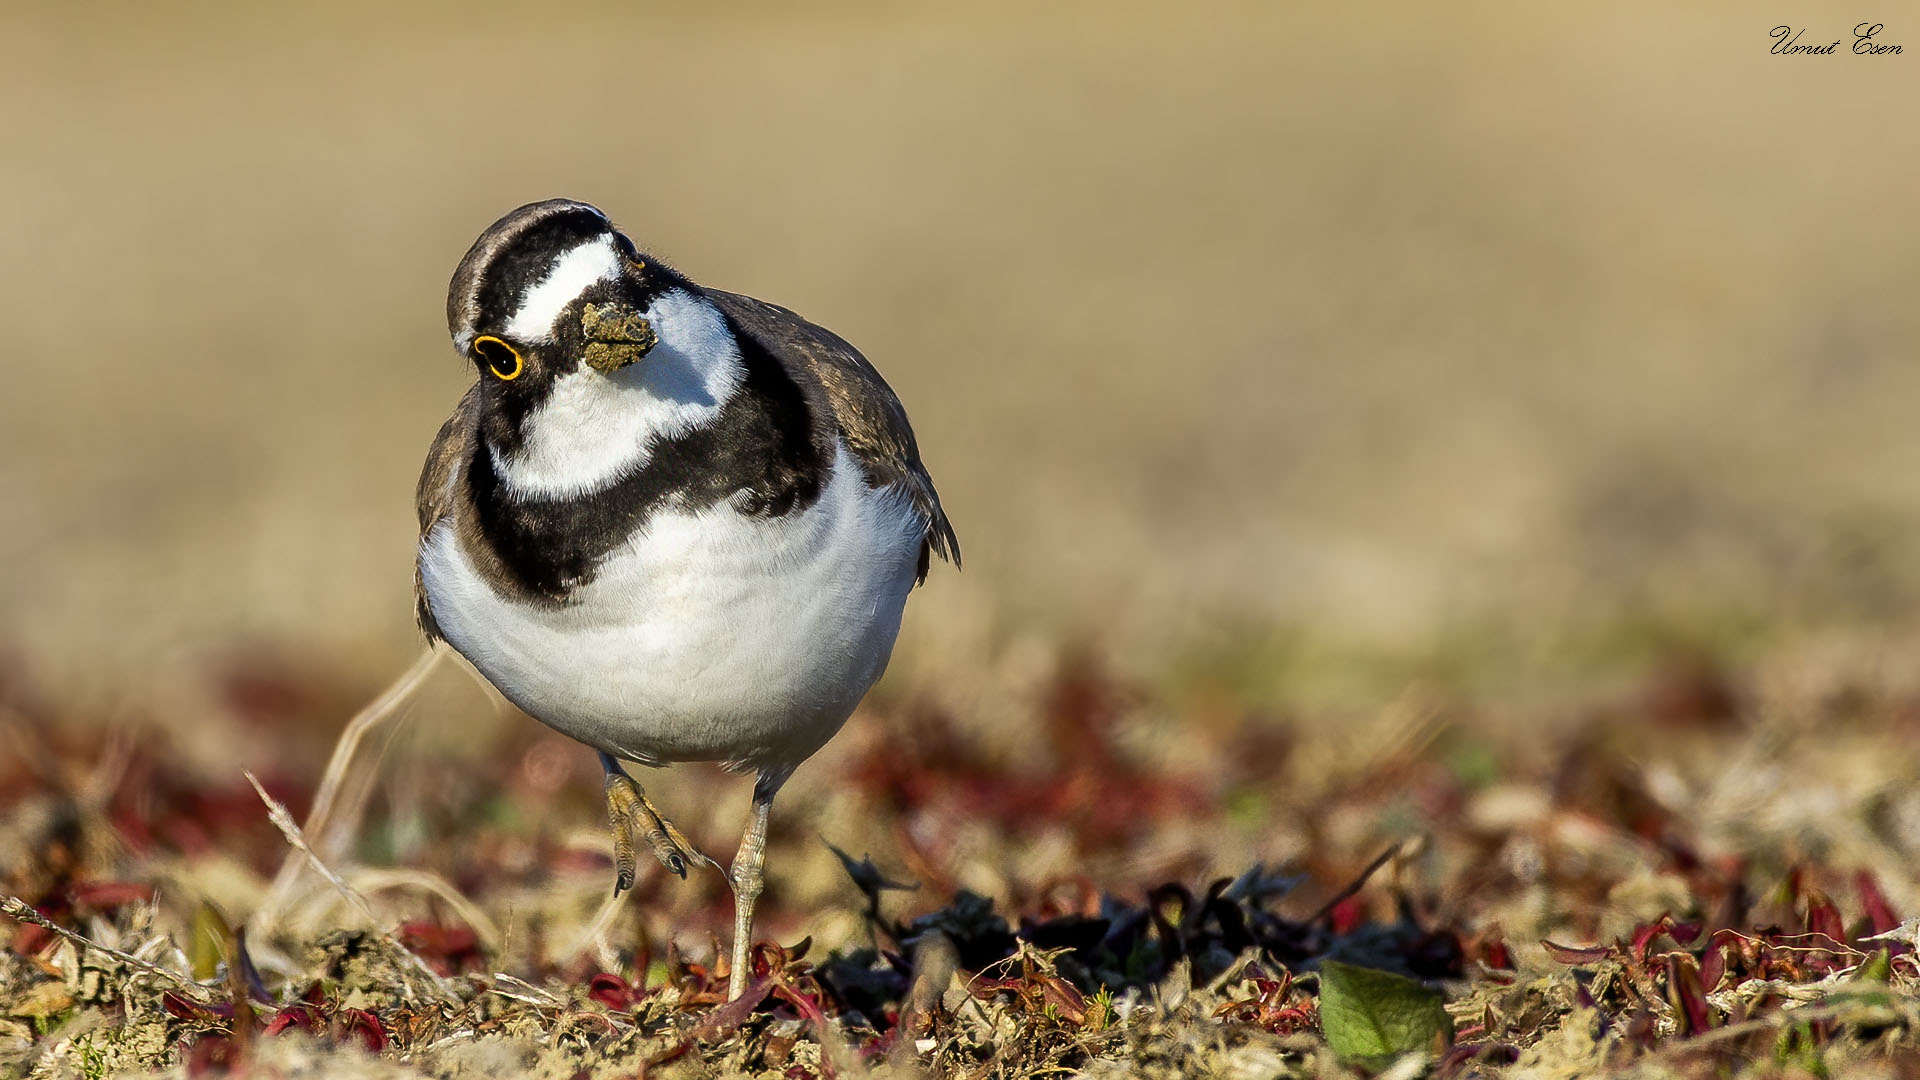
(550, 289)
(586, 349)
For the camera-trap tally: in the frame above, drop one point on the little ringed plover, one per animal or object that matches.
(674, 523)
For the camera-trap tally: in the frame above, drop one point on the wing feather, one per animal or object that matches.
(864, 408)
(439, 491)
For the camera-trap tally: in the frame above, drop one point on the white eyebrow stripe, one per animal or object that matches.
(571, 275)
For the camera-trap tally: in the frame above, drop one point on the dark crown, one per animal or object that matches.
(513, 254)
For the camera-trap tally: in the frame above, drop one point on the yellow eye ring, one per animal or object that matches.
(493, 364)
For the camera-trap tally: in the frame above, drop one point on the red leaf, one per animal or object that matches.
(1823, 917)
(1644, 934)
(373, 1034)
(106, 895)
(1063, 996)
(187, 1009)
(1575, 954)
(985, 988)
(449, 950)
(212, 1055)
(611, 990)
(1683, 987)
(1498, 957)
(291, 1017)
(1880, 914)
(133, 831)
(1713, 966)
(724, 1018)
(806, 1008)
(1348, 915)
(29, 939)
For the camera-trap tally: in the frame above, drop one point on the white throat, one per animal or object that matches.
(593, 429)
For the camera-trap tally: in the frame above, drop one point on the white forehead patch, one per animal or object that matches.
(572, 274)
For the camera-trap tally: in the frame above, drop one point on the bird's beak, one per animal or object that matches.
(617, 335)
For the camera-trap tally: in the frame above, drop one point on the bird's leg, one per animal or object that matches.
(629, 810)
(747, 881)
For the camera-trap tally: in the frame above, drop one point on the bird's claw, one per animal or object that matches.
(629, 811)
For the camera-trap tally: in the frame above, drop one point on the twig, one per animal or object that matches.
(356, 731)
(1356, 885)
(529, 995)
(374, 879)
(595, 932)
(15, 908)
(283, 820)
(326, 799)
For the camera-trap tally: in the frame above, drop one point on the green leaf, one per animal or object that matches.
(1877, 969)
(1372, 1017)
(211, 935)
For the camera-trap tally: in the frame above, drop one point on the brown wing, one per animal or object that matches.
(439, 490)
(869, 416)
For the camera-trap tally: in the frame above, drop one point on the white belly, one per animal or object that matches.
(708, 636)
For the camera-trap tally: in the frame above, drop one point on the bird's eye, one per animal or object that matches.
(501, 358)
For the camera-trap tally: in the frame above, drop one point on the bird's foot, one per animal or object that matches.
(629, 811)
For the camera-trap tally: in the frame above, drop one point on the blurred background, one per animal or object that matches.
(1355, 329)
(1363, 424)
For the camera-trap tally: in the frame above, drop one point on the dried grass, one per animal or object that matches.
(1737, 856)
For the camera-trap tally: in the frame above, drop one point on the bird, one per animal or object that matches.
(674, 523)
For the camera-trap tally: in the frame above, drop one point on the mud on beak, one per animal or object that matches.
(617, 335)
